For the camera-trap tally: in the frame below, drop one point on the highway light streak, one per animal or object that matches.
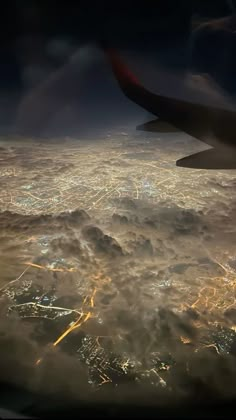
(39, 305)
(42, 267)
(83, 318)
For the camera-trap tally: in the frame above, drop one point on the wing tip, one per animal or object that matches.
(210, 159)
(120, 70)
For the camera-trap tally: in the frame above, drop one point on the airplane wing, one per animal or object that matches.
(194, 119)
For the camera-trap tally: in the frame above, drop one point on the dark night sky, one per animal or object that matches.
(140, 25)
(119, 20)
(147, 25)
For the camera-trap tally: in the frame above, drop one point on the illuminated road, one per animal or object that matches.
(84, 316)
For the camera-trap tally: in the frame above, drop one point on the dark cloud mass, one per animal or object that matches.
(61, 221)
(101, 242)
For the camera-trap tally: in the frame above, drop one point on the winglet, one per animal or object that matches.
(122, 73)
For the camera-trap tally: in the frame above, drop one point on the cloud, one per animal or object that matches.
(101, 242)
(65, 220)
(68, 247)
